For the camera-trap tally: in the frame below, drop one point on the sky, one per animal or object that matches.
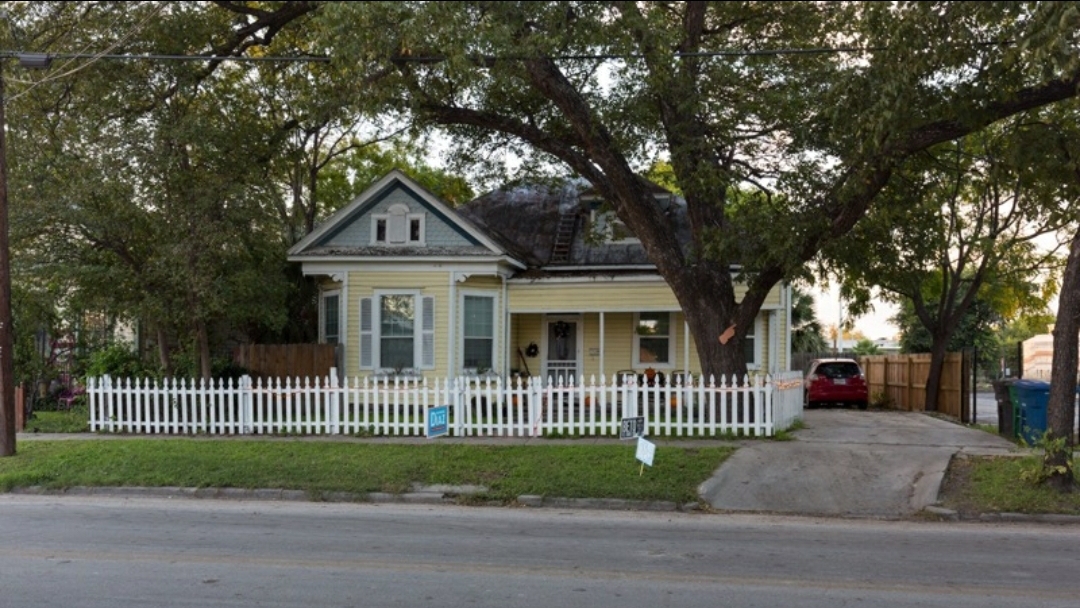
(874, 325)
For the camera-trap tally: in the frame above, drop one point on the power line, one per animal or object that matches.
(23, 55)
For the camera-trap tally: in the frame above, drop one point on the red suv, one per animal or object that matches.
(836, 381)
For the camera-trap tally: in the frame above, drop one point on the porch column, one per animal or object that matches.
(602, 347)
(451, 310)
(506, 330)
(774, 342)
(686, 345)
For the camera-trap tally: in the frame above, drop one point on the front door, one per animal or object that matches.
(561, 363)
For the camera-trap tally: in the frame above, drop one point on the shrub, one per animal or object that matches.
(118, 361)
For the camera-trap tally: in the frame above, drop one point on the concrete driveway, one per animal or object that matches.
(848, 463)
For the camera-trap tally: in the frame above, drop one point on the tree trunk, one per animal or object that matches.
(937, 366)
(1058, 458)
(202, 341)
(164, 358)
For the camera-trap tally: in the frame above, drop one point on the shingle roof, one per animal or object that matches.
(525, 221)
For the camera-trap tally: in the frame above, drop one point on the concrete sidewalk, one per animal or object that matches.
(848, 463)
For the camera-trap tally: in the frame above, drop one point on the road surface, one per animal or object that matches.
(113, 552)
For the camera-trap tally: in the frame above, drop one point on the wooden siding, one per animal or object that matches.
(577, 297)
(482, 282)
(628, 296)
(437, 233)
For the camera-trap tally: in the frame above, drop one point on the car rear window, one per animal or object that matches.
(838, 369)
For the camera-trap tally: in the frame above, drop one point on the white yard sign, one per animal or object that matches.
(645, 451)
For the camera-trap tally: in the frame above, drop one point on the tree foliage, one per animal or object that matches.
(605, 88)
(143, 188)
(956, 229)
(806, 330)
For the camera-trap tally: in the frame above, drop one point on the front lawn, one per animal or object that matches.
(573, 471)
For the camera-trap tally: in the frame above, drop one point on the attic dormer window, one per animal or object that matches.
(397, 227)
(607, 228)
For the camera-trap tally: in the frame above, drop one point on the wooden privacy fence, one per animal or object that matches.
(477, 407)
(281, 360)
(902, 379)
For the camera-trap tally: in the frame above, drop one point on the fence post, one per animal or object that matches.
(768, 400)
(334, 402)
(535, 390)
(108, 402)
(245, 404)
(454, 386)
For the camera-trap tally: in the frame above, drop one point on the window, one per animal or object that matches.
(397, 332)
(478, 321)
(750, 346)
(397, 227)
(653, 340)
(395, 335)
(607, 228)
(330, 329)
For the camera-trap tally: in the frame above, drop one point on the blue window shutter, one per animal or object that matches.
(427, 338)
(366, 347)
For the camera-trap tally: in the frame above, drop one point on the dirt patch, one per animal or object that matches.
(957, 488)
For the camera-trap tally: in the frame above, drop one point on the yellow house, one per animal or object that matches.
(539, 281)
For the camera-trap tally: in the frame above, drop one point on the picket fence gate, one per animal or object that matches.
(482, 407)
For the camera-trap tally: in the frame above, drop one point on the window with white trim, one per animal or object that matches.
(478, 333)
(397, 226)
(752, 347)
(330, 313)
(397, 332)
(654, 340)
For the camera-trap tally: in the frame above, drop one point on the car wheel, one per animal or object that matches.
(863, 405)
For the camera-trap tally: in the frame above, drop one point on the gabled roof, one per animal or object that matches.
(544, 230)
(315, 242)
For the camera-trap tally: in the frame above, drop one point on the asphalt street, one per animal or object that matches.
(92, 552)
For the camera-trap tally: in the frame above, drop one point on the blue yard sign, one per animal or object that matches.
(438, 421)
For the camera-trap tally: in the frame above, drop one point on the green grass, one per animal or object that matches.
(975, 485)
(586, 471)
(74, 420)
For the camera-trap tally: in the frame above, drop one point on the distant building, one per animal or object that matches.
(1038, 354)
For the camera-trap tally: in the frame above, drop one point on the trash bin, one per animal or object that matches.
(1033, 397)
(1005, 407)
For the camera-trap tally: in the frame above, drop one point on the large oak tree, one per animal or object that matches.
(807, 109)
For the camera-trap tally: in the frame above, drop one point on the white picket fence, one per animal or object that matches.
(489, 407)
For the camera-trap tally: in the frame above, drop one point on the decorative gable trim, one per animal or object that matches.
(368, 198)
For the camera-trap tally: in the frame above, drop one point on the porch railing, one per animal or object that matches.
(487, 407)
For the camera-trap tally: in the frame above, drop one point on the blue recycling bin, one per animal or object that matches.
(1032, 396)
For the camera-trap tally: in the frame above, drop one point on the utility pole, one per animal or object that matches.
(7, 350)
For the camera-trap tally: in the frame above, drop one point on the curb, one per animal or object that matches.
(425, 497)
(422, 497)
(946, 514)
